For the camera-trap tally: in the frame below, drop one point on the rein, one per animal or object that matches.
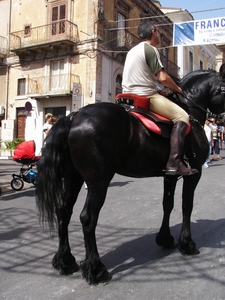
(191, 118)
(190, 101)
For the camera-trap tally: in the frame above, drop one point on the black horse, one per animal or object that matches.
(102, 139)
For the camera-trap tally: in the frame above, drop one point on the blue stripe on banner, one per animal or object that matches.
(183, 34)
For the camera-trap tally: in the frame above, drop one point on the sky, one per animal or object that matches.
(192, 6)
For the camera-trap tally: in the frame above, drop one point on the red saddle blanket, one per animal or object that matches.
(151, 120)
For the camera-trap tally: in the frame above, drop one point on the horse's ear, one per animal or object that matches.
(222, 70)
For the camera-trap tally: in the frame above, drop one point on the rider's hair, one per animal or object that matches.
(145, 29)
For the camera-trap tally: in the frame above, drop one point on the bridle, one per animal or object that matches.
(219, 90)
(221, 87)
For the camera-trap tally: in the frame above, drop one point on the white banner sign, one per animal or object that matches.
(199, 32)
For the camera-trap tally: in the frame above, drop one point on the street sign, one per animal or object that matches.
(28, 106)
(76, 96)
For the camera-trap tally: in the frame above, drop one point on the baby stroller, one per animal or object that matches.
(25, 155)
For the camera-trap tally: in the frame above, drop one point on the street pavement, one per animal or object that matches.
(126, 231)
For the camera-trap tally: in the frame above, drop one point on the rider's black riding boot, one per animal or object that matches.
(174, 165)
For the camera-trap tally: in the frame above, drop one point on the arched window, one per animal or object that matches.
(118, 84)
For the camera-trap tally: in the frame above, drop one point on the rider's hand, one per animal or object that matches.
(166, 92)
(179, 90)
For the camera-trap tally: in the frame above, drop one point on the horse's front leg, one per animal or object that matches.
(93, 269)
(63, 260)
(164, 237)
(185, 243)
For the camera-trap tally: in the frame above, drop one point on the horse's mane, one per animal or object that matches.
(191, 77)
(187, 83)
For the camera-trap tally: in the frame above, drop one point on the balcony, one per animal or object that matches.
(34, 38)
(3, 46)
(51, 86)
(170, 67)
(120, 39)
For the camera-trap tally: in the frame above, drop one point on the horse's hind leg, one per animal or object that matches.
(93, 269)
(63, 260)
(164, 237)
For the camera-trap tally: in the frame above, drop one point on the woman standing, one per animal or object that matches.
(216, 140)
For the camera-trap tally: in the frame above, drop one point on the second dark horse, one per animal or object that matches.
(103, 139)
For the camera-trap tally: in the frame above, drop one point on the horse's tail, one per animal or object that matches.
(51, 171)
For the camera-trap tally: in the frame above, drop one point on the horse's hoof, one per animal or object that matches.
(167, 243)
(94, 271)
(188, 249)
(103, 277)
(69, 270)
(194, 251)
(66, 266)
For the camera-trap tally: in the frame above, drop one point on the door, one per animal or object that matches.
(58, 78)
(58, 20)
(21, 124)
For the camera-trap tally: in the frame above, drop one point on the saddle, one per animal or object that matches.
(139, 107)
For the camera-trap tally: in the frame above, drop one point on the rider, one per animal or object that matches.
(144, 75)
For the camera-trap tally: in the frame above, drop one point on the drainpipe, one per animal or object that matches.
(8, 67)
(7, 93)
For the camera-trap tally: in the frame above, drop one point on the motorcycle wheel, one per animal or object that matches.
(17, 184)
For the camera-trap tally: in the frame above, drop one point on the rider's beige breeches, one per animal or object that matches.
(167, 108)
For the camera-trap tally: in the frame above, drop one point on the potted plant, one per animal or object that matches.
(10, 146)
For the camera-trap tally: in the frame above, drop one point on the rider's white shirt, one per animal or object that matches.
(141, 65)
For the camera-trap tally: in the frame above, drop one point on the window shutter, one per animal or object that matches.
(55, 13)
(62, 12)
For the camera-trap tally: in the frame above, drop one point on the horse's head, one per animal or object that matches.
(217, 93)
(204, 90)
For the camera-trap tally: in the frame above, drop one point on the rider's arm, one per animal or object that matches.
(153, 60)
(167, 81)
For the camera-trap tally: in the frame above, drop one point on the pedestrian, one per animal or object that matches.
(54, 119)
(208, 133)
(216, 140)
(221, 134)
(47, 125)
(144, 75)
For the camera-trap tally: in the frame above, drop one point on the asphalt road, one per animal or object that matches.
(126, 231)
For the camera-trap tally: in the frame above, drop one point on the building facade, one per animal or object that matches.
(62, 55)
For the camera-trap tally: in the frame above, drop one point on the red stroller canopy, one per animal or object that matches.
(25, 150)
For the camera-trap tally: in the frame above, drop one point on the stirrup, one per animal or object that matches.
(172, 171)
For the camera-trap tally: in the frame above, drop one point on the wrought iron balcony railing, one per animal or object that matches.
(52, 85)
(170, 67)
(56, 32)
(121, 39)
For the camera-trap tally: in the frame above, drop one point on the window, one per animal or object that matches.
(56, 111)
(27, 30)
(118, 84)
(191, 61)
(201, 65)
(58, 78)
(121, 32)
(58, 19)
(21, 86)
